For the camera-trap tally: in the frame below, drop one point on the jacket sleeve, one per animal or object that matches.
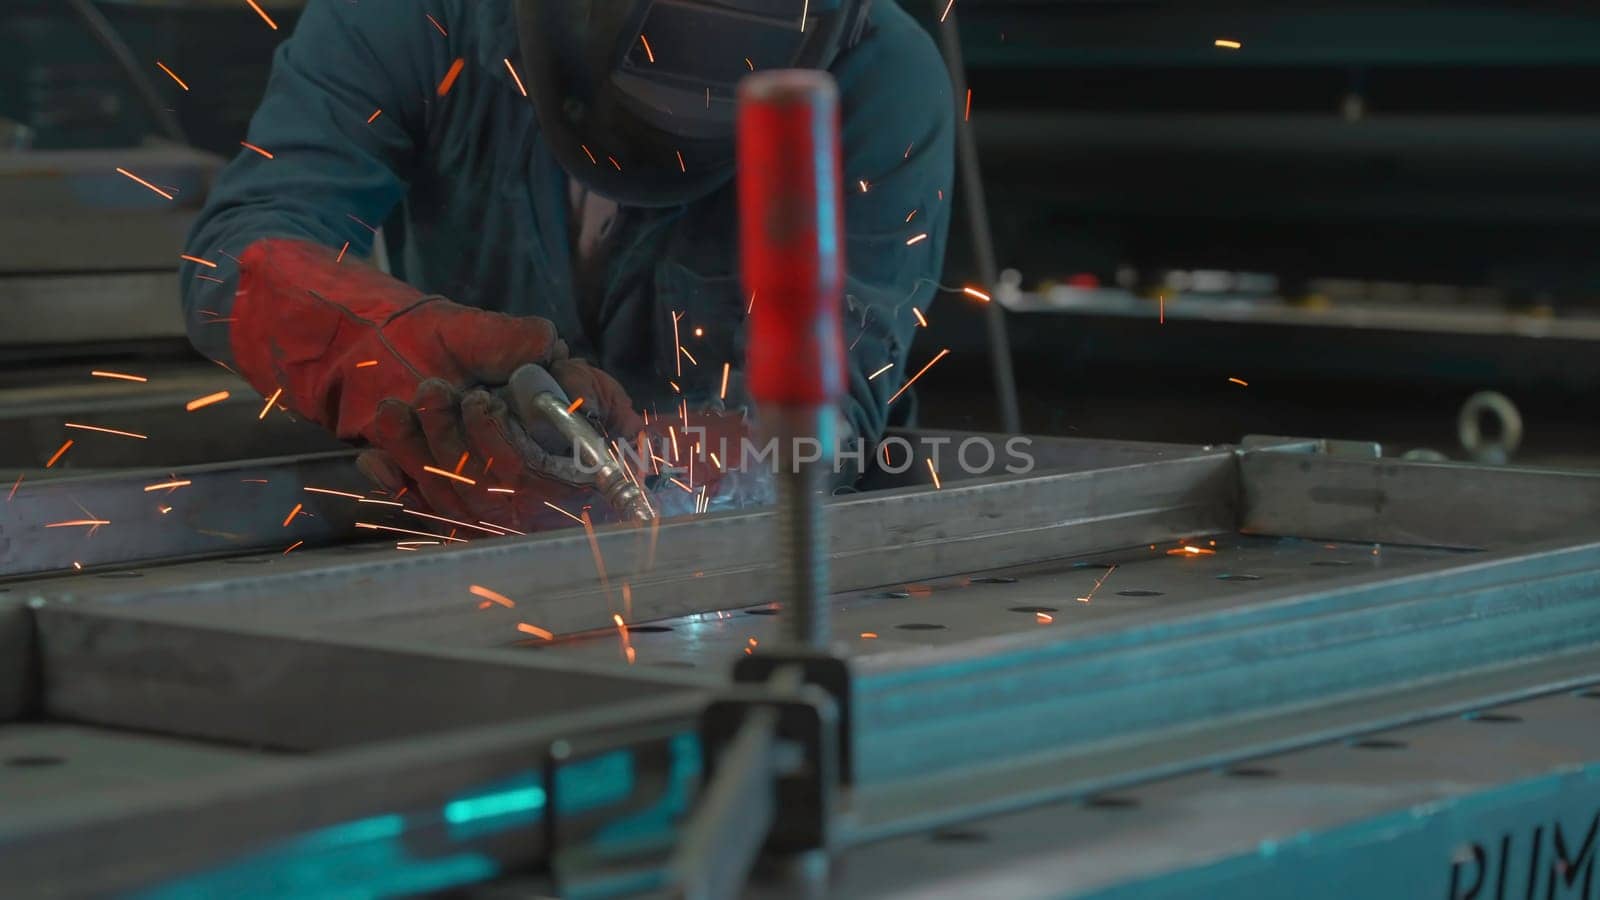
(341, 119)
(899, 138)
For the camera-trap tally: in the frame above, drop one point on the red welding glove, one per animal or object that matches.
(373, 359)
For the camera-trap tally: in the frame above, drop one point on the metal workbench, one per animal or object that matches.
(1373, 683)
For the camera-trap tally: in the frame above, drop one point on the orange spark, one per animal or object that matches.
(75, 523)
(967, 116)
(681, 166)
(451, 76)
(676, 342)
(478, 590)
(685, 352)
(165, 485)
(947, 8)
(263, 14)
(1098, 581)
(1190, 550)
(649, 54)
(290, 548)
(911, 215)
(622, 629)
(119, 375)
(501, 490)
(131, 434)
(249, 146)
(14, 485)
(443, 473)
(171, 74)
(560, 510)
(456, 522)
(535, 630)
(723, 394)
(145, 183)
(941, 355)
(270, 400)
(1161, 309)
(975, 293)
(935, 473)
(462, 462)
(375, 114)
(292, 513)
(749, 63)
(592, 160)
(615, 163)
(921, 319)
(863, 183)
(515, 77)
(366, 364)
(331, 492)
(437, 25)
(1045, 618)
(869, 635)
(917, 239)
(574, 405)
(1240, 381)
(207, 400)
(1226, 44)
(426, 534)
(195, 259)
(886, 367)
(342, 251)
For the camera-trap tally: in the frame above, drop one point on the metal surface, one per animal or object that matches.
(62, 309)
(688, 566)
(1424, 811)
(535, 393)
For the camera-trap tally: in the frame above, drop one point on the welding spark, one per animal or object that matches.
(478, 590)
(863, 183)
(443, 473)
(1226, 44)
(592, 160)
(1240, 381)
(649, 54)
(437, 25)
(1098, 581)
(451, 76)
(167, 485)
(263, 14)
(342, 251)
(560, 510)
(118, 375)
(331, 492)
(940, 355)
(886, 367)
(76, 523)
(1161, 310)
(869, 635)
(503, 529)
(195, 259)
(375, 114)
(426, 534)
(457, 523)
(248, 145)
(622, 630)
(501, 490)
(967, 117)
(171, 74)
(917, 239)
(207, 400)
(462, 462)
(615, 163)
(752, 304)
(685, 352)
(1191, 550)
(145, 183)
(947, 8)
(681, 166)
(270, 401)
(676, 342)
(921, 319)
(292, 513)
(935, 473)
(131, 434)
(366, 364)
(1044, 618)
(291, 547)
(723, 394)
(749, 63)
(976, 294)
(535, 630)
(515, 77)
(911, 215)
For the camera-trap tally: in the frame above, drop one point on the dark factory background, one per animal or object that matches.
(1367, 213)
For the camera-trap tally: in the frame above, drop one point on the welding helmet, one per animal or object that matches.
(636, 97)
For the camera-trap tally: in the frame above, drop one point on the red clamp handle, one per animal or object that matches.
(791, 226)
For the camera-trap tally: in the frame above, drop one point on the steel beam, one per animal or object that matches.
(698, 565)
(18, 664)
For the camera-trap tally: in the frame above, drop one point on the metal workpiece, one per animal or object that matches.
(683, 566)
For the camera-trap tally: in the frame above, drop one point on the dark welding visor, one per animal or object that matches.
(636, 97)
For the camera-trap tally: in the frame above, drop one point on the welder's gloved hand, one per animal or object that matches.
(339, 337)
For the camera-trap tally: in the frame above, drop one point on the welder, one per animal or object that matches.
(552, 181)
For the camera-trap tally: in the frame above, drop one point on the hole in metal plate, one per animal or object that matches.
(1250, 772)
(995, 579)
(128, 574)
(1494, 718)
(959, 836)
(34, 761)
(920, 626)
(764, 611)
(1110, 801)
(1378, 744)
(1238, 577)
(648, 629)
(1034, 609)
(1140, 593)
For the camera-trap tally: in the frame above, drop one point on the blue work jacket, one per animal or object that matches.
(474, 207)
